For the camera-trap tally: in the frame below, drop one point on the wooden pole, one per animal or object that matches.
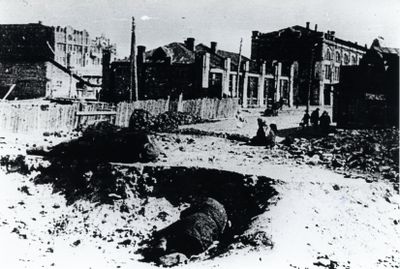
(9, 91)
(238, 68)
(133, 90)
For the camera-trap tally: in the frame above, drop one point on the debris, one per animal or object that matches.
(172, 259)
(336, 187)
(126, 242)
(24, 189)
(76, 243)
(142, 120)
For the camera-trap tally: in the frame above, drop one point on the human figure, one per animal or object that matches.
(305, 121)
(275, 108)
(325, 122)
(297, 101)
(270, 135)
(281, 102)
(315, 117)
(260, 138)
(240, 120)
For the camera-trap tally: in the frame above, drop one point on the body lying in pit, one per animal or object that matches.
(199, 226)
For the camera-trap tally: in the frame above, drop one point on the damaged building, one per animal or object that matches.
(368, 94)
(318, 57)
(39, 61)
(197, 71)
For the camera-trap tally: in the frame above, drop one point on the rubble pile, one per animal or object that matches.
(105, 142)
(169, 121)
(229, 136)
(141, 120)
(374, 151)
(91, 181)
(81, 168)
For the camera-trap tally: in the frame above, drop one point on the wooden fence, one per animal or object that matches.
(44, 116)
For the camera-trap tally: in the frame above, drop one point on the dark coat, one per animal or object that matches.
(199, 226)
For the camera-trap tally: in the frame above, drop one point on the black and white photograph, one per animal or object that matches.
(199, 134)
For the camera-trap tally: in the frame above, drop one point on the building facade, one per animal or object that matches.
(44, 61)
(200, 71)
(81, 53)
(317, 55)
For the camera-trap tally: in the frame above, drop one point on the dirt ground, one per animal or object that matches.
(320, 218)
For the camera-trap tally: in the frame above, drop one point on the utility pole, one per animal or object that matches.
(238, 68)
(311, 77)
(133, 89)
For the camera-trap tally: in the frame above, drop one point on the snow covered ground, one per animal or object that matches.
(321, 218)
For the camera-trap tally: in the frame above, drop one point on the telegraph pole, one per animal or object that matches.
(311, 77)
(238, 68)
(133, 89)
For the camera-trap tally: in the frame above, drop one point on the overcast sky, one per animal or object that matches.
(160, 22)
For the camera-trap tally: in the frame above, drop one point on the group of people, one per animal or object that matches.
(322, 122)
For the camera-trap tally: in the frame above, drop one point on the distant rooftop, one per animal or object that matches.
(301, 31)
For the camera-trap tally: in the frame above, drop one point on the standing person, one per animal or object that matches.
(325, 122)
(297, 101)
(281, 102)
(305, 121)
(315, 117)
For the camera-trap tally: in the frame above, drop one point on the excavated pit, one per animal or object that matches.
(242, 196)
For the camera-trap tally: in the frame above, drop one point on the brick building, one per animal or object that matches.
(368, 94)
(32, 57)
(198, 71)
(318, 57)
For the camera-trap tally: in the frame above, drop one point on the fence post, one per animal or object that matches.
(180, 103)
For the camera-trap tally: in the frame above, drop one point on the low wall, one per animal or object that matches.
(44, 116)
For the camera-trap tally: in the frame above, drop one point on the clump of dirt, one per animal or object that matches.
(15, 164)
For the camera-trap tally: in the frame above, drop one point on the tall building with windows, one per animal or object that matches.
(318, 56)
(39, 61)
(80, 52)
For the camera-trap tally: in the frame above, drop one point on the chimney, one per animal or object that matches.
(141, 54)
(106, 59)
(316, 27)
(332, 33)
(190, 43)
(255, 33)
(308, 25)
(133, 90)
(213, 46)
(40, 22)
